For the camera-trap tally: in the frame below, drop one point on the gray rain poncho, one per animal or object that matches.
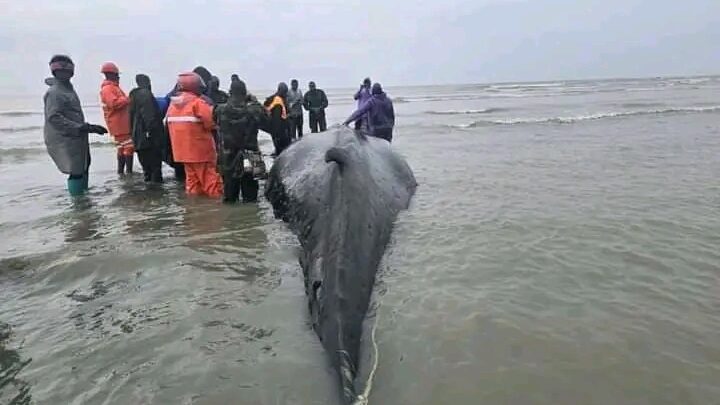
(67, 145)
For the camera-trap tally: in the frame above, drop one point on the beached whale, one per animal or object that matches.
(340, 193)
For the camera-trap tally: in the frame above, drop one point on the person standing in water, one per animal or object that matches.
(216, 95)
(190, 124)
(234, 78)
(148, 132)
(379, 112)
(276, 106)
(295, 117)
(239, 121)
(65, 130)
(316, 102)
(117, 117)
(362, 96)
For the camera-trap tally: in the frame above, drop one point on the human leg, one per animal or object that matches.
(249, 187)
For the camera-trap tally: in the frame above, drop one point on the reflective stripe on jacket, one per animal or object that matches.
(190, 123)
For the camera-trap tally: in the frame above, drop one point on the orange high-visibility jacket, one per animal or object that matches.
(115, 108)
(190, 123)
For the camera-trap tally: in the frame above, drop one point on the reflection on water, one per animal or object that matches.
(82, 221)
(13, 390)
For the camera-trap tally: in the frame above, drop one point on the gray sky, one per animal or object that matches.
(338, 42)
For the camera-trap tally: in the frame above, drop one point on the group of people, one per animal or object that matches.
(209, 137)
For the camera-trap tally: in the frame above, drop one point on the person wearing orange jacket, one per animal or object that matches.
(190, 124)
(115, 105)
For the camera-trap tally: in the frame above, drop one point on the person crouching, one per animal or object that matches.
(190, 124)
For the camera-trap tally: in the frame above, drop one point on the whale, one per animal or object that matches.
(340, 193)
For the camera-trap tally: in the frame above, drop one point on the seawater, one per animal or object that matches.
(561, 249)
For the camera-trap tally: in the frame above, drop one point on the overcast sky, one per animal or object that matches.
(338, 42)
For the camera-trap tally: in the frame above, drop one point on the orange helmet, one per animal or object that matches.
(109, 67)
(190, 82)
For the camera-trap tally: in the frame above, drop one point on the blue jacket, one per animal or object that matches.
(362, 96)
(379, 111)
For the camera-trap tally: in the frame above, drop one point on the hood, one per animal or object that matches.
(143, 81)
(203, 73)
(109, 83)
(182, 98)
(50, 81)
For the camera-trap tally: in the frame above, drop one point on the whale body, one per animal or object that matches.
(340, 193)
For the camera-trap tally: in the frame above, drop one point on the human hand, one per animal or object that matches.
(96, 129)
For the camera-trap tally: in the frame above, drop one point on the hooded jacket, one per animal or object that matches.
(146, 119)
(217, 96)
(190, 124)
(379, 110)
(239, 121)
(362, 96)
(115, 108)
(66, 144)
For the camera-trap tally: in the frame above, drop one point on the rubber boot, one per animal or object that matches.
(75, 187)
(86, 181)
(129, 164)
(121, 164)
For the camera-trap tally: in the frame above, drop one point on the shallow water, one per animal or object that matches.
(561, 249)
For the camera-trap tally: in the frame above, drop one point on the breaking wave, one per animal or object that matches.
(19, 113)
(23, 153)
(28, 128)
(641, 105)
(417, 99)
(466, 112)
(591, 117)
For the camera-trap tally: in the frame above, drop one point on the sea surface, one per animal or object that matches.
(562, 248)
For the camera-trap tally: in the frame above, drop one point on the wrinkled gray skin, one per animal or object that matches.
(340, 194)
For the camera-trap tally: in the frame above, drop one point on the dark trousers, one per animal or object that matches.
(179, 169)
(317, 119)
(151, 162)
(281, 140)
(384, 133)
(296, 126)
(87, 169)
(233, 186)
(245, 185)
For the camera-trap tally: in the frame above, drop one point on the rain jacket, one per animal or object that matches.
(379, 110)
(66, 144)
(218, 96)
(190, 123)
(276, 124)
(115, 105)
(276, 105)
(362, 96)
(295, 102)
(315, 99)
(146, 120)
(239, 121)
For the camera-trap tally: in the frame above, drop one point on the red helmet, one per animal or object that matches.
(109, 67)
(190, 82)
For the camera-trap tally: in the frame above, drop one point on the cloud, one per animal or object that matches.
(339, 42)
